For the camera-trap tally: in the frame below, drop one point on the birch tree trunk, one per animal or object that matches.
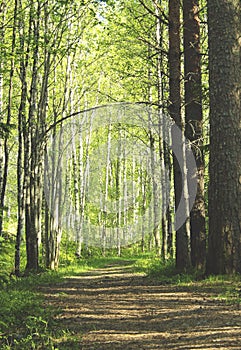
(30, 145)
(119, 192)
(21, 125)
(156, 197)
(105, 199)
(163, 151)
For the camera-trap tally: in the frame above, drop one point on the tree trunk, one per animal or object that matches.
(119, 187)
(156, 197)
(105, 199)
(2, 134)
(162, 131)
(20, 161)
(193, 128)
(31, 151)
(224, 245)
(183, 259)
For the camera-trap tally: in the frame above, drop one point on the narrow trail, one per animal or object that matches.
(115, 308)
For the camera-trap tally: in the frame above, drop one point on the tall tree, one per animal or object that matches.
(193, 127)
(224, 246)
(2, 35)
(179, 162)
(30, 136)
(9, 112)
(23, 63)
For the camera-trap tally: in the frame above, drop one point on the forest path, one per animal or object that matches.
(115, 308)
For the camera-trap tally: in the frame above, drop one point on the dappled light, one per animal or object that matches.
(120, 174)
(114, 307)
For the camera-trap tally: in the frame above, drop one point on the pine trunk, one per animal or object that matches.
(224, 248)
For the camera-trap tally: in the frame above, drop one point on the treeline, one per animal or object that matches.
(118, 174)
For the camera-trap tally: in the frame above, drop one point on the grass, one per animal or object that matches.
(25, 324)
(224, 287)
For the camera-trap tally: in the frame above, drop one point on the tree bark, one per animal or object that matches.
(31, 150)
(194, 129)
(183, 259)
(224, 244)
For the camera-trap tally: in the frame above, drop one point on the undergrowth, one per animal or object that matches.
(24, 323)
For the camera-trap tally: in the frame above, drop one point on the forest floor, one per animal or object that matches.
(117, 308)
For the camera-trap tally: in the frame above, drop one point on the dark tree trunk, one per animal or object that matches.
(193, 129)
(224, 246)
(182, 232)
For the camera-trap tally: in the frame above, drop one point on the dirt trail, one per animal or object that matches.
(114, 308)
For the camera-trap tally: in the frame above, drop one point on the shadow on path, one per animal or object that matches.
(114, 308)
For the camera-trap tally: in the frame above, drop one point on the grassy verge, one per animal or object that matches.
(24, 323)
(225, 288)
